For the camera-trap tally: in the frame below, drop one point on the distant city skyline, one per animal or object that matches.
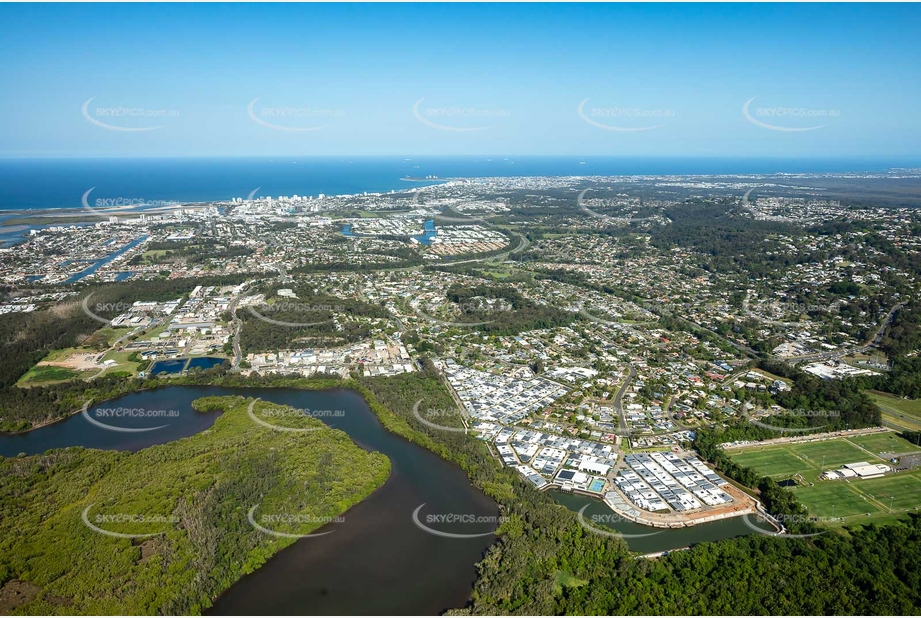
(765, 80)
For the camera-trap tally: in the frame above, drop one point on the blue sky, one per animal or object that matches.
(659, 79)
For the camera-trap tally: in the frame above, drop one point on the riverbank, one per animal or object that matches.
(437, 573)
(618, 503)
(93, 395)
(155, 521)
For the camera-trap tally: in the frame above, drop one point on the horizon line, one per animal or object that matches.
(430, 156)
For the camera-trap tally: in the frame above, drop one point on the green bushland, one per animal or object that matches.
(900, 343)
(542, 548)
(201, 488)
(315, 310)
(542, 552)
(25, 408)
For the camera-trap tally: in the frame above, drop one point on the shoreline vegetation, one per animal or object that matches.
(544, 562)
(187, 500)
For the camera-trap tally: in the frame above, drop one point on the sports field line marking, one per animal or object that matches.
(863, 449)
(867, 497)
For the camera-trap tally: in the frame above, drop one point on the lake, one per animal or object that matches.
(377, 561)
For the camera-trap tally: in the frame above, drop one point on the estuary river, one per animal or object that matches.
(376, 561)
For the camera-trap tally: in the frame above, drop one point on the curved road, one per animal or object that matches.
(873, 342)
(619, 401)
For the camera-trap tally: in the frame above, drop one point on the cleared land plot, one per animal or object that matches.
(60, 355)
(49, 373)
(771, 376)
(123, 364)
(107, 336)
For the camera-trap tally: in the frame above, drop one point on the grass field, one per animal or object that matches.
(784, 460)
(773, 461)
(884, 443)
(153, 255)
(870, 499)
(834, 499)
(846, 501)
(834, 453)
(898, 412)
(47, 373)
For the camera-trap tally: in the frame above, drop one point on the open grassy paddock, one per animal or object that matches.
(897, 412)
(49, 373)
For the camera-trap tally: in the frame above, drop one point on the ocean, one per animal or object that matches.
(61, 183)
